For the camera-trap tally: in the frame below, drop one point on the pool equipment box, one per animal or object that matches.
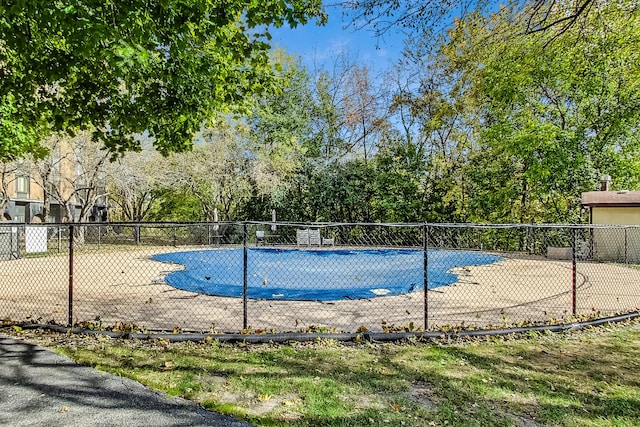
(559, 253)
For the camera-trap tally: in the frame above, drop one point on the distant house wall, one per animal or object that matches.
(35, 191)
(621, 244)
(27, 199)
(615, 215)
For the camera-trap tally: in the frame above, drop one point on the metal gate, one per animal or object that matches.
(9, 242)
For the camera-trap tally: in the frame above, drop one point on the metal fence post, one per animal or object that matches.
(20, 232)
(574, 258)
(626, 247)
(244, 275)
(425, 273)
(70, 310)
(11, 244)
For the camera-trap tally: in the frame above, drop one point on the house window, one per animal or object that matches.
(22, 186)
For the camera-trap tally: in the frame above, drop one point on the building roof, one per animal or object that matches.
(611, 198)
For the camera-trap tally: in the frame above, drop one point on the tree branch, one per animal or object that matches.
(568, 20)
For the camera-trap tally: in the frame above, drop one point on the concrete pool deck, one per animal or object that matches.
(126, 286)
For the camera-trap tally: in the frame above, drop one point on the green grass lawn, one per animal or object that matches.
(587, 378)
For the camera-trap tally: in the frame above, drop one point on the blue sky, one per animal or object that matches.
(319, 45)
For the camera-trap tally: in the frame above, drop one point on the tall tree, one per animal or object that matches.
(326, 142)
(217, 172)
(400, 182)
(17, 138)
(436, 125)
(73, 175)
(279, 131)
(135, 182)
(553, 118)
(553, 17)
(124, 68)
(365, 119)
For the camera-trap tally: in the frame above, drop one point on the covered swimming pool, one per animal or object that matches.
(315, 275)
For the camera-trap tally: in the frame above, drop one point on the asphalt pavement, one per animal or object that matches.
(41, 388)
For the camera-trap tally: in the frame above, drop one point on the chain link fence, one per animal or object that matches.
(326, 277)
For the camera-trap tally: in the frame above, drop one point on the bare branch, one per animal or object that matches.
(567, 21)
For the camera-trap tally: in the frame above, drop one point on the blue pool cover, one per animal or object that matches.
(290, 274)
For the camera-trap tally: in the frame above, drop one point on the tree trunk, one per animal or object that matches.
(79, 232)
